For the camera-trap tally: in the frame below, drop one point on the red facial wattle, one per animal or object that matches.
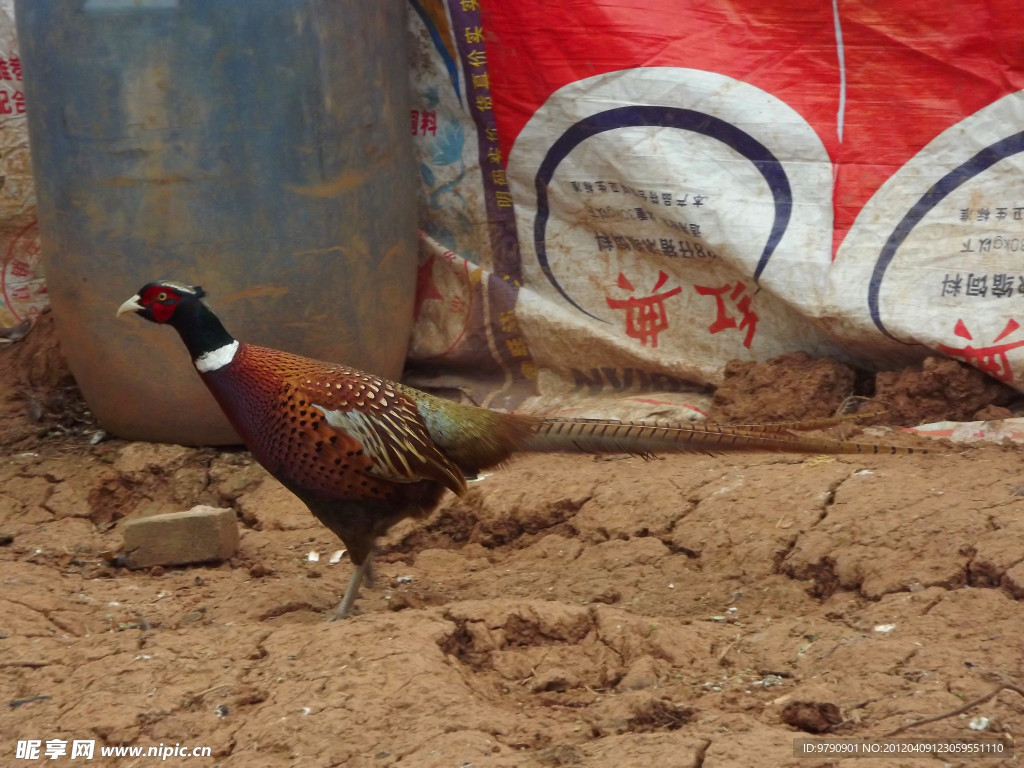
(162, 312)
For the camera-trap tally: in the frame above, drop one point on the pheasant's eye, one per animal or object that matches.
(162, 296)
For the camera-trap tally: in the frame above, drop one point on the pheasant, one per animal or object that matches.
(363, 452)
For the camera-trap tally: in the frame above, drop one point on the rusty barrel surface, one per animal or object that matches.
(259, 149)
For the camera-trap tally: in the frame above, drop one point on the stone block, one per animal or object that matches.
(199, 535)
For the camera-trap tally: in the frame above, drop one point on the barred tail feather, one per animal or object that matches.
(805, 425)
(596, 436)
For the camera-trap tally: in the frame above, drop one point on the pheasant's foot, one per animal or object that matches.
(347, 604)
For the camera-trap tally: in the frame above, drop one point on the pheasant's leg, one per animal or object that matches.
(349, 600)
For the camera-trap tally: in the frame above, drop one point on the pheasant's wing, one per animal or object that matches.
(384, 423)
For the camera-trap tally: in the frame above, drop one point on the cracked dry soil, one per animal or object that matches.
(687, 611)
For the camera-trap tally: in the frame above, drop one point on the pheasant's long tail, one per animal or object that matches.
(597, 436)
(786, 427)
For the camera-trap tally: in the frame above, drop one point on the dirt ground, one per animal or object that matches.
(570, 611)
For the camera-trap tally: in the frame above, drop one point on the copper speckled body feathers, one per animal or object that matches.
(283, 405)
(361, 452)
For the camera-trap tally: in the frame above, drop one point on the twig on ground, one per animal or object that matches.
(1003, 686)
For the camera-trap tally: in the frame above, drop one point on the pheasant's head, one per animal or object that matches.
(164, 301)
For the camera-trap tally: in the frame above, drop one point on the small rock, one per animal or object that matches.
(993, 412)
(555, 679)
(811, 716)
(202, 534)
(642, 673)
(609, 596)
(1013, 581)
(400, 602)
(559, 755)
(259, 570)
(193, 616)
(15, 703)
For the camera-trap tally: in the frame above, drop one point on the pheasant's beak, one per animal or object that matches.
(132, 305)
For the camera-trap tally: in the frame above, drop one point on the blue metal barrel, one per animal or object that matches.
(259, 148)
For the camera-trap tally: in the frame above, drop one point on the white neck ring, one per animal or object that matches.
(216, 359)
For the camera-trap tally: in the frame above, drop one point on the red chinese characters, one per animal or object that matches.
(645, 315)
(990, 359)
(736, 296)
(11, 102)
(423, 122)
